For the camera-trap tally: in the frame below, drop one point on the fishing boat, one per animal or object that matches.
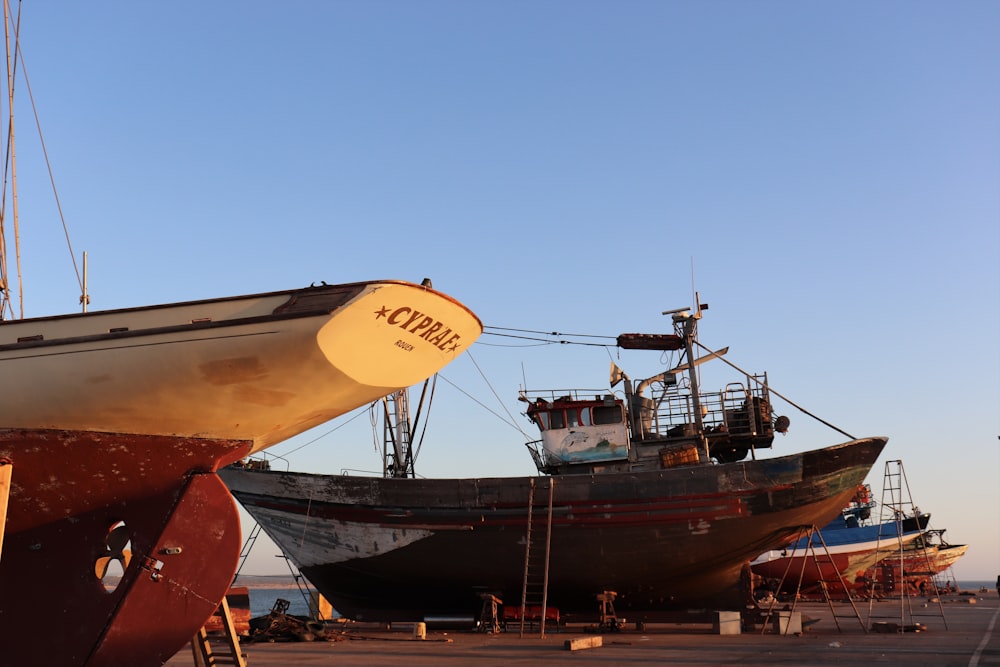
(646, 498)
(834, 559)
(116, 422)
(917, 564)
(947, 555)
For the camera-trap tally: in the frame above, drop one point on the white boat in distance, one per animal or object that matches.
(114, 424)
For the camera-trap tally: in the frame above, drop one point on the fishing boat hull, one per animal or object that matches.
(412, 549)
(947, 556)
(927, 561)
(118, 422)
(837, 565)
(920, 565)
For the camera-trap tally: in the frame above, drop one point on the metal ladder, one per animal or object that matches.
(897, 504)
(812, 534)
(535, 585)
(201, 646)
(247, 547)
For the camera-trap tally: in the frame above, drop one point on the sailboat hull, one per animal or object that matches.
(261, 367)
(117, 422)
(409, 549)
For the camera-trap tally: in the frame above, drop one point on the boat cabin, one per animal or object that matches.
(586, 431)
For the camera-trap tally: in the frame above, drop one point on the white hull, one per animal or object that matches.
(257, 368)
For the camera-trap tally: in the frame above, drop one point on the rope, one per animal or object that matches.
(561, 340)
(771, 390)
(10, 162)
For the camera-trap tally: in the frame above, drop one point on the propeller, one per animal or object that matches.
(117, 541)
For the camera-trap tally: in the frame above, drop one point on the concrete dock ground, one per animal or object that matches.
(966, 634)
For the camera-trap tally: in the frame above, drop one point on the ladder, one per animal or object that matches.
(203, 651)
(397, 453)
(812, 534)
(314, 601)
(247, 547)
(897, 505)
(535, 585)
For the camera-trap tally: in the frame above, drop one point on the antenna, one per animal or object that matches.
(697, 307)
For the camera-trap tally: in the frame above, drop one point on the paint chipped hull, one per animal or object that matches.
(118, 421)
(947, 556)
(840, 556)
(832, 564)
(921, 564)
(405, 549)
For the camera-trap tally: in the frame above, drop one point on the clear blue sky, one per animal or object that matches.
(828, 173)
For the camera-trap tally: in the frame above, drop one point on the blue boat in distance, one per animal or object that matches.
(839, 553)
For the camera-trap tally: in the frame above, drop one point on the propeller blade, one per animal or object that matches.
(101, 566)
(118, 539)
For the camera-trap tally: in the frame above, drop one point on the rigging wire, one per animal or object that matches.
(562, 338)
(495, 395)
(323, 435)
(48, 164)
(771, 390)
(547, 333)
(509, 419)
(10, 162)
(416, 421)
(9, 170)
(483, 406)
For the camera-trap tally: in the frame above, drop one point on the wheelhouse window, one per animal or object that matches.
(608, 414)
(572, 417)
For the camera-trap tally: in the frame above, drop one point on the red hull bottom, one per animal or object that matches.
(80, 501)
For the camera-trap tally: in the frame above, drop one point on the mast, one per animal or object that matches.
(397, 454)
(84, 296)
(12, 156)
(686, 325)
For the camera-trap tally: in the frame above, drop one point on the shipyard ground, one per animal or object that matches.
(967, 634)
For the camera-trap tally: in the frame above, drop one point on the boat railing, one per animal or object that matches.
(545, 461)
(736, 410)
(553, 395)
(263, 461)
(259, 461)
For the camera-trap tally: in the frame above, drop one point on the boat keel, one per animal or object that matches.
(124, 581)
